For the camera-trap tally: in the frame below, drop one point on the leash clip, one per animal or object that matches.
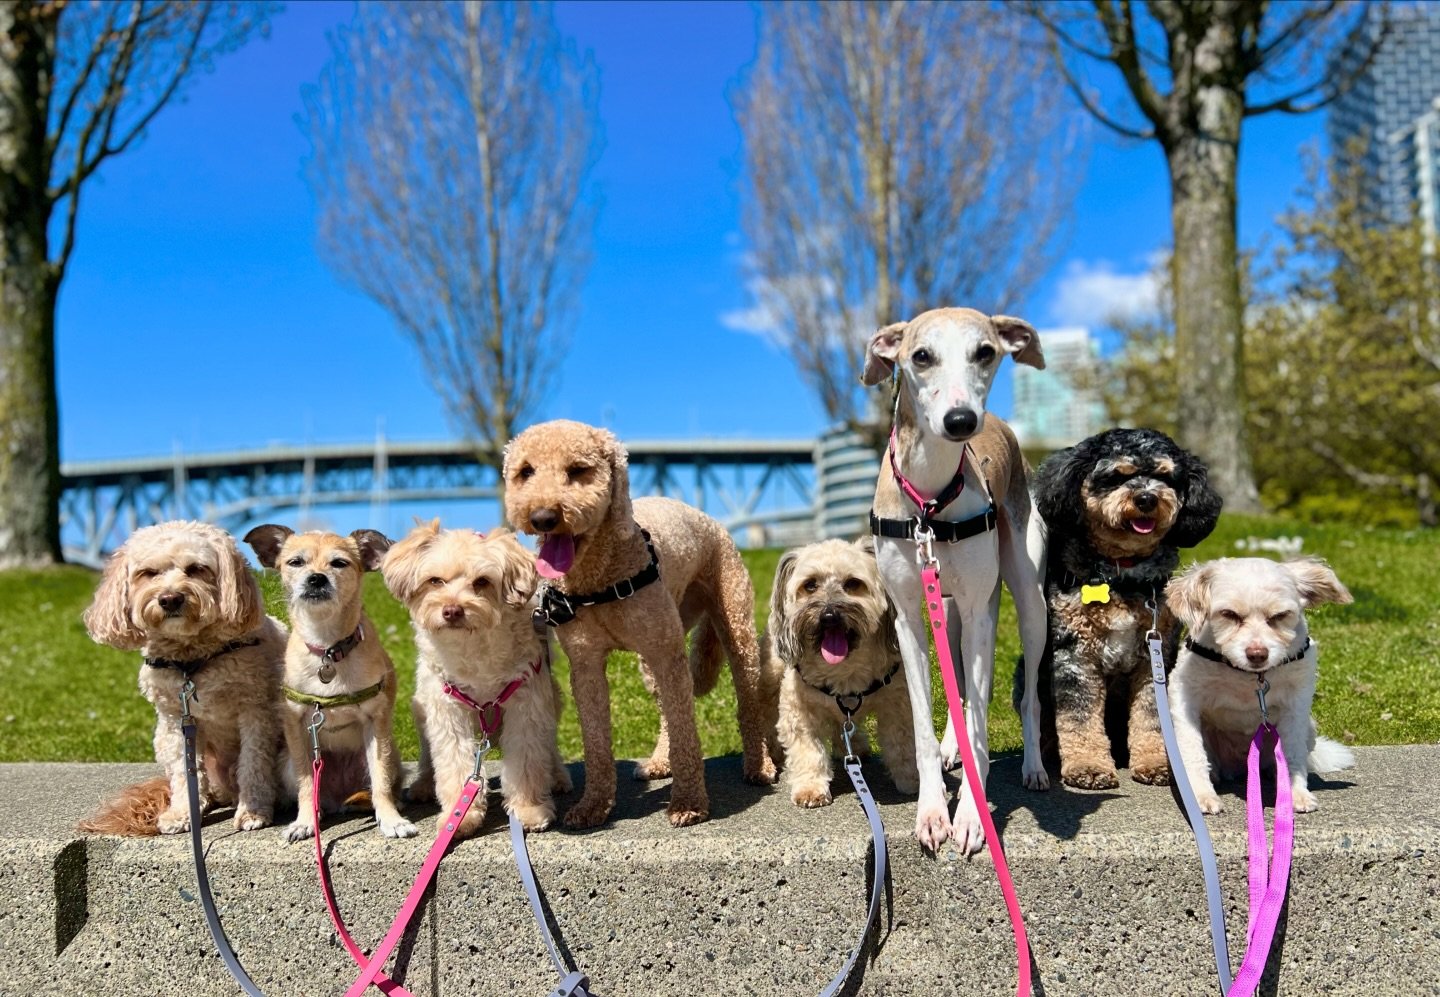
(847, 730)
(1260, 690)
(317, 720)
(924, 543)
(482, 748)
(187, 693)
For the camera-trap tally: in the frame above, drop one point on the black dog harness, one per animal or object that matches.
(557, 608)
(189, 668)
(850, 702)
(1210, 654)
(941, 530)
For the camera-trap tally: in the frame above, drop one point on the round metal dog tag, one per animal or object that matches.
(327, 672)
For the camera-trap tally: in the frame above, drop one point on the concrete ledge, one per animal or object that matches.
(764, 898)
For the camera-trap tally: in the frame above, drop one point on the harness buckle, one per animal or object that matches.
(317, 720)
(629, 583)
(1261, 689)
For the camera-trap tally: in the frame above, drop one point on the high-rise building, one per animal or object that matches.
(1390, 113)
(1050, 409)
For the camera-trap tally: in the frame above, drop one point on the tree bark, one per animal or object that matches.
(29, 411)
(1209, 340)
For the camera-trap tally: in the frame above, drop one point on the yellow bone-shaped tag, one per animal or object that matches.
(1094, 593)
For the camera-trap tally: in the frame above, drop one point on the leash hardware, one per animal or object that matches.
(187, 693)
(629, 584)
(924, 543)
(1261, 688)
(847, 729)
(482, 748)
(317, 720)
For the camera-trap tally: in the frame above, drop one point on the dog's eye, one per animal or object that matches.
(191, 570)
(145, 573)
(1279, 618)
(985, 353)
(854, 586)
(296, 562)
(922, 358)
(481, 584)
(577, 471)
(436, 582)
(339, 564)
(1231, 616)
(810, 585)
(525, 473)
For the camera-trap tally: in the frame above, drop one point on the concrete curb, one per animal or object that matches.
(764, 898)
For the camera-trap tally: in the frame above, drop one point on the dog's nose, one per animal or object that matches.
(1147, 501)
(831, 617)
(960, 423)
(171, 601)
(1257, 654)
(545, 520)
(452, 613)
(316, 581)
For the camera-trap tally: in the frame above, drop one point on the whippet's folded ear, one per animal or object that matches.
(881, 354)
(1020, 339)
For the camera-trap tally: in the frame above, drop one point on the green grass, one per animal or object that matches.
(63, 698)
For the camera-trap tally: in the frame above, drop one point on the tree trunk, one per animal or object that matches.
(29, 422)
(1208, 311)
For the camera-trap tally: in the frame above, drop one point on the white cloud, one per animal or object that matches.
(1095, 294)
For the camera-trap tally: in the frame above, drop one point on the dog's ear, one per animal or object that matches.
(1317, 582)
(401, 567)
(1199, 506)
(373, 544)
(1058, 483)
(108, 619)
(866, 544)
(1188, 595)
(1021, 340)
(518, 577)
(266, 542)
(779, 626)
(613, 451)
(239, 603)
(881, 354)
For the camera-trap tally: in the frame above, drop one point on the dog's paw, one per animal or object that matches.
(1151, 773)
(652, 769)
(1086, 776)
(534, 816)
(968, 833)
(932, 826)
(252, 820)
(1304, 801)
(906, 782)
(419, 791)
(950, 750)
(299, 831)
(174, 822)
(397, 827)
(810, 796)
(683, 816)
(1034, 776)
(562, 783)
(1209, 803)
(760, 774)
(589, 812)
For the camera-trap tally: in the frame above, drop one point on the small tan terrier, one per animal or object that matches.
(831, 640)
(335, 665)
(471, 599)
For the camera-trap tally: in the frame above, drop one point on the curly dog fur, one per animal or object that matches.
(1119, 506)
(832, 632)
(470, 598)
(569, 483)
(181, 591)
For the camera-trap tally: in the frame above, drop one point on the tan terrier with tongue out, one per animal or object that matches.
(830, 648)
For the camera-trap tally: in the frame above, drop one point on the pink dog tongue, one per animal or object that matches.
(834, 645)
(557, 554)
(1142, 525)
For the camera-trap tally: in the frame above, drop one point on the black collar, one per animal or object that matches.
(339, 650)
(1210, 654)
(944, 530)
(558, 608)
(849, 702)
(189, 668)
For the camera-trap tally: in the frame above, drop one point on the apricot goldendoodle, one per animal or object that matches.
(181, 594)
(471, 600)
(636, 578)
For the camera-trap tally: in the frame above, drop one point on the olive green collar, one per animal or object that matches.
(325, 702)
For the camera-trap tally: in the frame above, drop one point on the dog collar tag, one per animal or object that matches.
(1095, 593)
(327, 672)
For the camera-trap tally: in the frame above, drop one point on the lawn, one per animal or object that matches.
(62, 698)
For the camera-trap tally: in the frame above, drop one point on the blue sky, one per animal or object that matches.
(197, 315)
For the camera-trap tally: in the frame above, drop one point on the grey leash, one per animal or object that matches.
(1192, 808)
(197, 844)
(573, 983)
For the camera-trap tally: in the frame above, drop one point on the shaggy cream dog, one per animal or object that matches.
(1248, 613)
(181, 594)
(471, 600)
(568, 482)
(831, 640)
(334, 654)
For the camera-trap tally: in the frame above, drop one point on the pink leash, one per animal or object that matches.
(930, 575)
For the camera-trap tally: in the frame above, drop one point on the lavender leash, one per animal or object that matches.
(1192, 810)
(573, 982)
(877, 837)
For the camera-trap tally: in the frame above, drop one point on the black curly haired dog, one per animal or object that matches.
(1118, 507)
